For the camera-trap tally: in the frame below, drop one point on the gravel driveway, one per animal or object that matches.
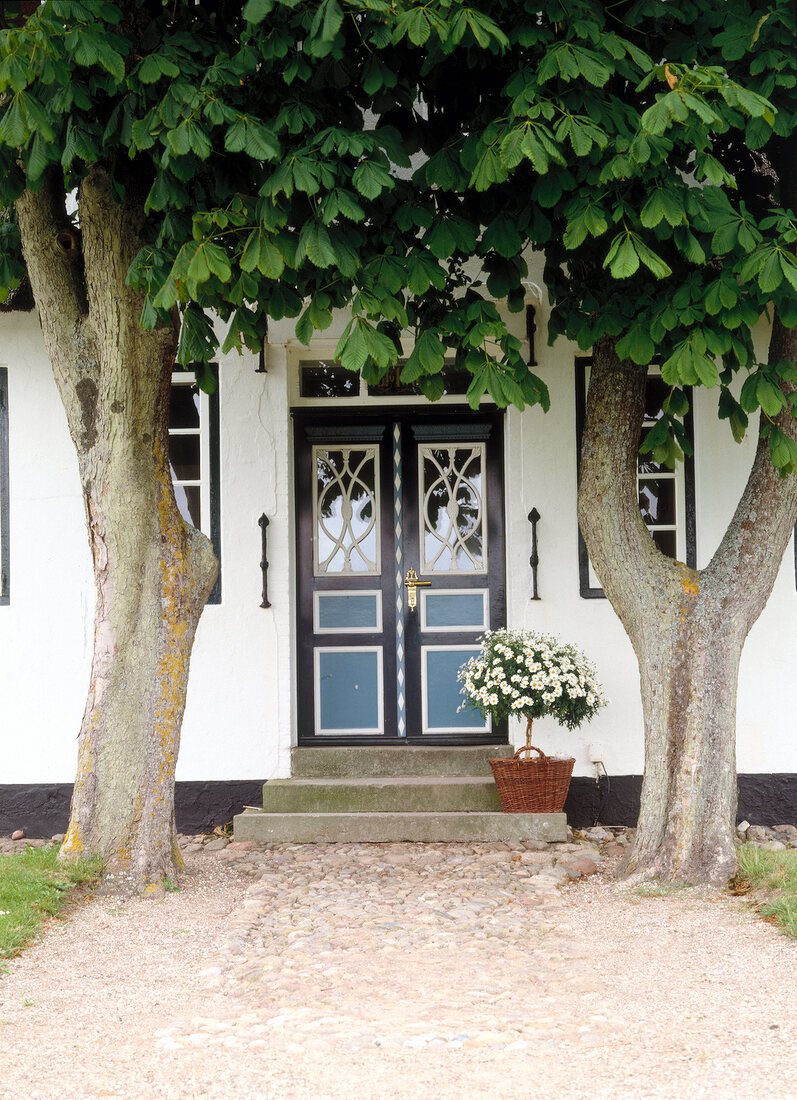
(401, 971)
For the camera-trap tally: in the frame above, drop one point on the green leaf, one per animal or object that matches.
(352, 349)
(705, 369)
(637, 345)
(502, 236)
(576, 232)
(304, 329)
(197, 341)
(418, 27)
(771, 274)
(318, 245)
(690, 246)
(654, 263)
(512, 148)
(431, 353)
(625, 260)
(730, 409)
(370, 179)
(235, 138)
(440, 239)
(653, 210)
(260, 142)
(218, 261)
(789, 266)
(13, 125)
(261, 254)
(770, 397)
(488, 170)
(656, 119)
(149, 315)
(154, 66)
(591, 67)
(205, 375)
(782, 451)
(255, 11)
(748, 397)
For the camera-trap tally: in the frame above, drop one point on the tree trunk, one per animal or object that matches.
(687, 627)
(153, 573)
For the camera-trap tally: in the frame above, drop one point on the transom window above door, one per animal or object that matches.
(322, 380)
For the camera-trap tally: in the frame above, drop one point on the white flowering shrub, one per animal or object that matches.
(522, 674)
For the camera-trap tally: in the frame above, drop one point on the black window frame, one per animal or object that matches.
(214, 475)
(587, 590)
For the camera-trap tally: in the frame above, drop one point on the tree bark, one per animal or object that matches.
(153, 573)
(687, 626)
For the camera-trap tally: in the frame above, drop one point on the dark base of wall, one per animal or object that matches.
(42, 809)
(764, 799)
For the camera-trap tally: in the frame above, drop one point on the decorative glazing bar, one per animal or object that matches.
(534, 560)
(263, 524)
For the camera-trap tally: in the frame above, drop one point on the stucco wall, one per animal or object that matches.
(239, 719)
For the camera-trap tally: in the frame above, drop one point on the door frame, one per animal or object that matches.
(320, 421)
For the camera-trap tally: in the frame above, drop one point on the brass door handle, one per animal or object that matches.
(412, 583)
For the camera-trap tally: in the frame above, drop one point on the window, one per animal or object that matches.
(321, 379)
(194, 459)
(5, 575)
(666, 497)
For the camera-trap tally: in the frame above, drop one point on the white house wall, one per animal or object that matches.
(239, 722)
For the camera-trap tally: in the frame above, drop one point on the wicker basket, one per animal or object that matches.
(534, 786)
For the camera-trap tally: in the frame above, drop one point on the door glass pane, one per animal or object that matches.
(349, 690)
(346, 510)
(454, 610)
(444, 704)
(452, 508)
(347, 611)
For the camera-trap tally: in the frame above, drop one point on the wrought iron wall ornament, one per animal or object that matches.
(534, 560)
(263, 524)
(531, 328)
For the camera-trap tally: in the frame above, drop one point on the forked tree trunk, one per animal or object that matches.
(687, 627)
(153, 573)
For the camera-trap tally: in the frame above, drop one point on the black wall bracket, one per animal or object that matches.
(263, 524)
(534, 560)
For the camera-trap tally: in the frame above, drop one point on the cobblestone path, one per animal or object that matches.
(403, 972)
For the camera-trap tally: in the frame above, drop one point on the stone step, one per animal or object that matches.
(392, 794)
(381, 828)
(351, 761)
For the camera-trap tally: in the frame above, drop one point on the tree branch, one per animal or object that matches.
(55, 269)
(757, 536)
(608, 504)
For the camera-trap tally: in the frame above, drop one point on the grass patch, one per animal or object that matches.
(33, 888)
(773, 874)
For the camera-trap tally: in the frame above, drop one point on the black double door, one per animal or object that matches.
(384, 500)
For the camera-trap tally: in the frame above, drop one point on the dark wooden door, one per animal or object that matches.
(378, 494)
